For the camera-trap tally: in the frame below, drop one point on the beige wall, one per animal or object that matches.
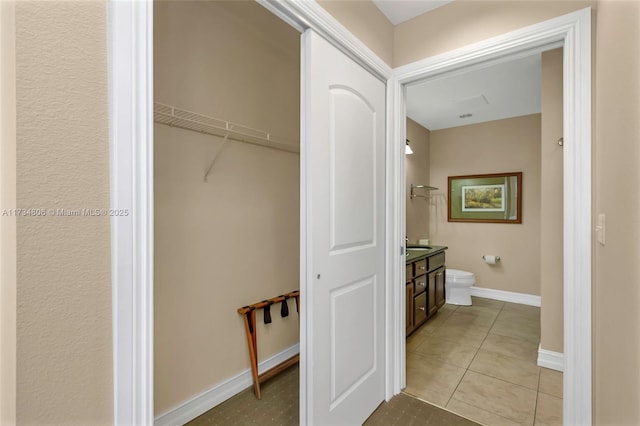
(551, 209)
(7, 223)
(417, 172)
(366, 22)
(233, 240)
(460, 23)
(64, 360)
(617, 171)
(510, 145)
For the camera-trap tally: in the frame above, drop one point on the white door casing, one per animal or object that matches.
(344, 152)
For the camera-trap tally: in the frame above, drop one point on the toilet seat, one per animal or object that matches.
(458, 278)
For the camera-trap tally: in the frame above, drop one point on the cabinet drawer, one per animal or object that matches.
(419, 284)
(409, 273)
(419, 309)
(421, 267)
(436, 261)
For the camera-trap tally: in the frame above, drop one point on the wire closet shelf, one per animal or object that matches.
(188, 120)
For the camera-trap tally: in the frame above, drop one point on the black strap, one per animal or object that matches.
(284, 309)
(267, 313)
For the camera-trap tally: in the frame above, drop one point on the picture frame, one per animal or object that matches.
(485, 198)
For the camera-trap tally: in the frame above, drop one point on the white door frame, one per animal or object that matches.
(573, 32)
(130, 69)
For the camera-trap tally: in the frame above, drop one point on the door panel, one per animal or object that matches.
(344, 156)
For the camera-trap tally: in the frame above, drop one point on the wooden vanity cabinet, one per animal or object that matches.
(409, 302)
(425, 287)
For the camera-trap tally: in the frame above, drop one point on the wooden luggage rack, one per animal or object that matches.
(249, 314)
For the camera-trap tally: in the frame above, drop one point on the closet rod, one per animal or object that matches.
(188, 120)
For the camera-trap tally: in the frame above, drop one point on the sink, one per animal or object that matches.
(419, 248)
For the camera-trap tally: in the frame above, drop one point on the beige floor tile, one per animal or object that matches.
(513, 370)
(461, 333)
(478, 415)
(505, 399)
(487, 311)
(521, 310)
(511, 346)
(446, 308)
(551, 382)
(489, 303)
(431, 380)
(521, 328)
(436, 321)
(548, 411)
(454, 353)
(414, 341)
(470, 319)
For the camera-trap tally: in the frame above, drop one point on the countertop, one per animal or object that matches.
(413, 255)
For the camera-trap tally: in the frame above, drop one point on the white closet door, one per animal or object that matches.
(343, 158)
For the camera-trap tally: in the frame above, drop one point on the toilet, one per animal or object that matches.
(458, 287)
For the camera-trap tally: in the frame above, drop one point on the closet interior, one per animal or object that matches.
(227, 185)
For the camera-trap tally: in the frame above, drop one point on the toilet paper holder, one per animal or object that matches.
(491, 259)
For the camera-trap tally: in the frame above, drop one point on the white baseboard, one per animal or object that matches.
(507, 296)
(204, 402)
(550, 359)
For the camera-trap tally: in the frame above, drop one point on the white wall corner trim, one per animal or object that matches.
(573, 32)
(219, 393)
(130, 69)
(550, 359)
(506, 296)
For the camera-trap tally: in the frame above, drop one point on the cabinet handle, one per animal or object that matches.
(439, 274)
(421, 284)
(424, 268)
(422, 308)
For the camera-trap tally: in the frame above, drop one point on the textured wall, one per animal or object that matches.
(64, 368)
(366, 22)
(551, 206)
(510, 145)
(417, 171)
(7, 223)
(232, 240)
(617, 172)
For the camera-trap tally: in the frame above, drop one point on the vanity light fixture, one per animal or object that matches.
(407, 148)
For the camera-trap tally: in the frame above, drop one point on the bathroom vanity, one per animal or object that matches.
(425, 283)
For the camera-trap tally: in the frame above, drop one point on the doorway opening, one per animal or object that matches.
(226, 202)
(481, 361)
(572, 32)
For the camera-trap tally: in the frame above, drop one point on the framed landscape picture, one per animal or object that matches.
(486, 198)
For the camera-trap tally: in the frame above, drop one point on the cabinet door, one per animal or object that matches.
(409, 308)
(419, 284)
(431, 294)
(419, 309)
(440, 287)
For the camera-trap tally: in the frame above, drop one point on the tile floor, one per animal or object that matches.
(479, 361)
(279, 407)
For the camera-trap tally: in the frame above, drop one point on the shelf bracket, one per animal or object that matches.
(224, 145)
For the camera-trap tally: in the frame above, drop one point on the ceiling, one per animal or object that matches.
(398, 11)
(504, 90)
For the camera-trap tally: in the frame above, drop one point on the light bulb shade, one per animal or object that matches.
(407, 149)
